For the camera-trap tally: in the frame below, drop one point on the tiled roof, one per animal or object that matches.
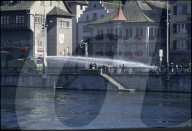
(15, 6)
(135, 11)
(78, 2)
(110, 6)
(56, 11)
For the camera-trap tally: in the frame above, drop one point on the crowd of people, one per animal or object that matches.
(173, 68)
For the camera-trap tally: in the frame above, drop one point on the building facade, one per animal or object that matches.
(95, 10)
(180, 32)
(22, 32)
(77, 8)
(123, 33)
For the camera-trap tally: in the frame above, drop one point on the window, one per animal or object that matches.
(61, 24)
(99, 48)
(39, 18)
(120, 33)
(94, 16)
(85, 28)
(42, 3)
(95, 6)
(50, 4)
(64, 24)
(181, 44)
(129, 32)
(7, 19)
(181, 28)
(40, 44)
(180, 10)
(2, 20)
(151, 31)
(67, 49)
(17, 18)
(58, 3)
(23, 19)
(81, 7)
(139, 32)
(156, 32)
(100, 32)
(102, 16)
(51, 33)
(87, 18)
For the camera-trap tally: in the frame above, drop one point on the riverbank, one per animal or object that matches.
(96, 81)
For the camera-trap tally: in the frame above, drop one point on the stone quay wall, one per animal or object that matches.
(94, 81)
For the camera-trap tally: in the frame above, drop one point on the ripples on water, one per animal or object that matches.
(35, 108)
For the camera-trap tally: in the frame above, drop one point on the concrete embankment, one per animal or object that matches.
(96, 81)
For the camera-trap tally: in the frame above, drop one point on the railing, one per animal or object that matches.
(146, 70)
(104, 70)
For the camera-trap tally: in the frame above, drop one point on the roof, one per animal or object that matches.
(120, 15)
(15, 6)
(78, 2)
(110, 6)
(135, 11)
(56, 11)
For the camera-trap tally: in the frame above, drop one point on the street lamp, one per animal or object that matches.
(86, 47)
(167, 37)
(147, 41)
(33, 53)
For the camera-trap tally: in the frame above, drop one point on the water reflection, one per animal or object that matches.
(35, 108)
(165, 109)
(78, 108)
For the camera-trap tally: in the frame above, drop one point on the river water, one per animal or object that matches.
(45, 108)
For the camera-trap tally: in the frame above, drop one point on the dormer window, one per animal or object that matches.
(58, 3)
(50, 4)
(42, 3)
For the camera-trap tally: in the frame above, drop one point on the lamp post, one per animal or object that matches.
(147, 41)
(86, 49)
(33, 53)
(167, 37)
(44, 39)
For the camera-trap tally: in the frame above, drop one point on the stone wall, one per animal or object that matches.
(177, 83)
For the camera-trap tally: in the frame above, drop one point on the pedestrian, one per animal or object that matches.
(76, 67)
(95, 66)
(90, 66)
(123, 69)
(176, 66)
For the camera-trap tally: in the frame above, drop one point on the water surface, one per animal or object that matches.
(44, 108)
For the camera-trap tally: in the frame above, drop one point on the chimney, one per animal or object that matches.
(120, 15)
